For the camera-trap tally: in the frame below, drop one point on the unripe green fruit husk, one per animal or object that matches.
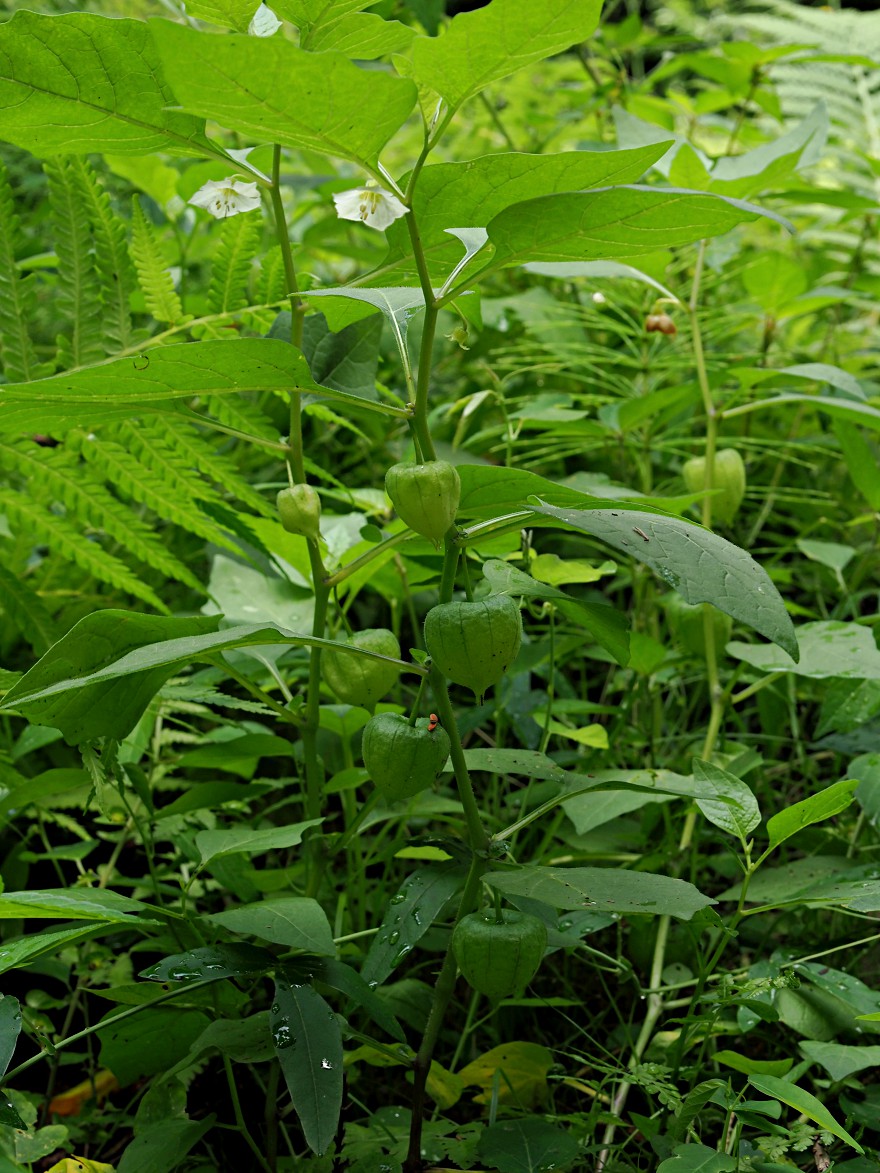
(687, 625)
(474, 644)
(728, 475)
(499, 960)
(299, 509)
(425, 496)
(357, 680)
(403, 759)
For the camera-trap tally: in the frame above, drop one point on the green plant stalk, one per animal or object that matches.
(451, 555)
(478, 840)
(443, 992)
(297, 305)
(239, 1116)
(350, 568)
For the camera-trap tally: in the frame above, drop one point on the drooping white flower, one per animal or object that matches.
(375, 206)
(264, 22)
(598, 298)
(227, 197)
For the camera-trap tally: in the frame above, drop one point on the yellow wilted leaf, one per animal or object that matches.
(444, 1087)
(70, 1103)
(522, 1074)
(80, 1165)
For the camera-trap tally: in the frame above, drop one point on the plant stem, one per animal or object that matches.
(239, 1116)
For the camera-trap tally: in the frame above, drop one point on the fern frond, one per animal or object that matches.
(17, 300)
(112, 261)
(208, 461)
(232, 259)
(54, 476)
(234, 411)
(272, 280)
(27, 611)
(152, 272)
(43, 527)
(160, 485)
(78, 287)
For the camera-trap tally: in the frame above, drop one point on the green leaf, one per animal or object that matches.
(296, 921)
(348, 981)
(309, 1048)
(829, 648)
(363, 35)
(477, 48)
(613, 223)
(529, 1145)
(424, 894)
(803, 1102)
(748, 1066)
(213, 844)
(701, 566)
(73, 904)
(18, 952)
(85, 711)
(603, 890)
(162, 1146)
(27, 611)
(839, 1060)
(10, 1029)
(149, 1042)
(696, 1158)
(569, 270)
(608, 626)
(272, 91)
(212, 962)
(815, 809)
(229, 14)
(80, 83)
(473, 192)
(733, 807)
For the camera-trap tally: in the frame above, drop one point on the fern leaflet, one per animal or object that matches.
(112, 261)
(17, 300)
(27, 611)
(78, 287)
(239, 238)
(152, 272)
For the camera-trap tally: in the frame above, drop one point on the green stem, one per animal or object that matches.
(476, 834)
(451, 554)
(297, 305)
(357, 564)
(239, 1116)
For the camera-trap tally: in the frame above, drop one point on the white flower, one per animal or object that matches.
(227, 197)
(264, 22)
(375, 206)
(598, 298)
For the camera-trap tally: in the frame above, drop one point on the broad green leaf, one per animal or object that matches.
(748, 1066)
(245, 1040)
(73, 904)
(272, 91)
(72, 687)
(297, 921)
(348, 981)
(529, 1145)
(309, 1048)
(568, 270)
(363, 35)
(603, 890)
(480, 47)
(211, 962)
(85, 711)
(471, 193)
(608, 626)
(308, 14)
(213, 844)
(700, 565)
(803, 1102)
(773, 279)
(79, 83)
(811, 372)
(617, 792)
(161, 374)
(850, 410)
(771, 166)
(162, 1146)
(10, 1029)
(149, 1042)
(18, 952)
(860, 462)
(732, 806)
(613, 223)
(839, 1060)
(409, 915)
(229, 14)
(815, 809)
(829, 648)
(696, 1158)
(43, 787)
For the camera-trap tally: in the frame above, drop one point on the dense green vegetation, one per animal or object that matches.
(439, 698)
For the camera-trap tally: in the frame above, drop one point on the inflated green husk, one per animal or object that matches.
(687, 625)
(299, 509)
(357, 680)
(425, 496)
(403, 759)
(499, 960)
(474, 644)
(728, 475)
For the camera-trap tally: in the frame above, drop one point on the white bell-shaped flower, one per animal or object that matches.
(227, 197)
(374, 206)
(264, 22)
